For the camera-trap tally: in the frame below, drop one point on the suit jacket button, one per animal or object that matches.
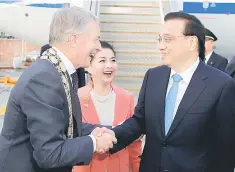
(165, 170)
(164, 144)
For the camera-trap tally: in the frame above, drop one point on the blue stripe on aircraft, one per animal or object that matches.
(220, 8)
(46, 5)
(42, 5)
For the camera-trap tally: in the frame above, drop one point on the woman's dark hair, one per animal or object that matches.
(105, 44)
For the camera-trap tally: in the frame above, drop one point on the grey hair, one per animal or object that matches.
(69, 20)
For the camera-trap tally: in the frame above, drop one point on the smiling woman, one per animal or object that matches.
(105, 104)
(103, 65)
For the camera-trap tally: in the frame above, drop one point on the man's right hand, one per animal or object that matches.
(105, 142)
(105, 138)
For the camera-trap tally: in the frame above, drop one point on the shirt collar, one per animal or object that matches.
(68, 64)
(208, 56)
(187, 74)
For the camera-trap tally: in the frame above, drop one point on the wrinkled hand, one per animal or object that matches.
(104, 143)
(97, 132)
(105, 139)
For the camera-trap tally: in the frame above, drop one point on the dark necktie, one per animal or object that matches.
(204, 60)
(74, 77)
(76, 105)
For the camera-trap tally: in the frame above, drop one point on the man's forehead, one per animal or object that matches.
(94, 29)
(173, 27)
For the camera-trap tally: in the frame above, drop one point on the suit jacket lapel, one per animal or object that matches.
(159, 99)
(211, 61)
(89, 114)
(194, 90)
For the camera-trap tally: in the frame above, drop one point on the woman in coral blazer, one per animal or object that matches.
(104, 103)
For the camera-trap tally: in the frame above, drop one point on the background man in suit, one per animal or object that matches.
(42, 128)
(185, 107)
(211, 57)
(80, 71)
(230, 69)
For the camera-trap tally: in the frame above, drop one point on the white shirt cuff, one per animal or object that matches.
(94, 142)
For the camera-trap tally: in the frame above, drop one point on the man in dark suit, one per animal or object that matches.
(80, 71)
(211, 57)
(230, 69)
(42, 128)
(185, 108)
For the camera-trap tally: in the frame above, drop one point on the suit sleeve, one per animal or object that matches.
(88, 128)
(225, 127)
(133, 127)
(43, 104)
(223, 65)
(135, 148)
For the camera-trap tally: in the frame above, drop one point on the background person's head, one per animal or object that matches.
(182, 40)
(76, 33)
(103, 65)
(210, 41)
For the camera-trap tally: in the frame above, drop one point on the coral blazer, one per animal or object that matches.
(127, 158)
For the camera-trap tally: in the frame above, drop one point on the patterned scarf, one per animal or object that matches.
(51, 56)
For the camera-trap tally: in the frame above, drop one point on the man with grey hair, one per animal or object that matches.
(42, 127)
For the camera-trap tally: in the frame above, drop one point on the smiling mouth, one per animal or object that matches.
(108, 73)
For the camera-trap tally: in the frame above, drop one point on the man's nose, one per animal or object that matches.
(98, 47)
(161, 45)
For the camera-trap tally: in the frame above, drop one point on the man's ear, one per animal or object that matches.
(193, 43)
(72, 40)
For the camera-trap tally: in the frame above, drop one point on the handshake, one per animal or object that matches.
(105, 138)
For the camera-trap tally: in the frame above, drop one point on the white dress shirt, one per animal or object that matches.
(208, 57)
(183, 84)
(71, 69)
(68, 64)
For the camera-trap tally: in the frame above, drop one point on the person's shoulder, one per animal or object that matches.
(39, 75)
(41, 72)
(160, 68)
(122, 92)
(42, 65)
(217, 75)
(220, 57)
(43, 68)
(83, 91)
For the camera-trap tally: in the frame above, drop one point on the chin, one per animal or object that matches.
(85, 65)
(107, 81)
(165, 62)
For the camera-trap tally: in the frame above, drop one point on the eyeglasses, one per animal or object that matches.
(167, 38)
